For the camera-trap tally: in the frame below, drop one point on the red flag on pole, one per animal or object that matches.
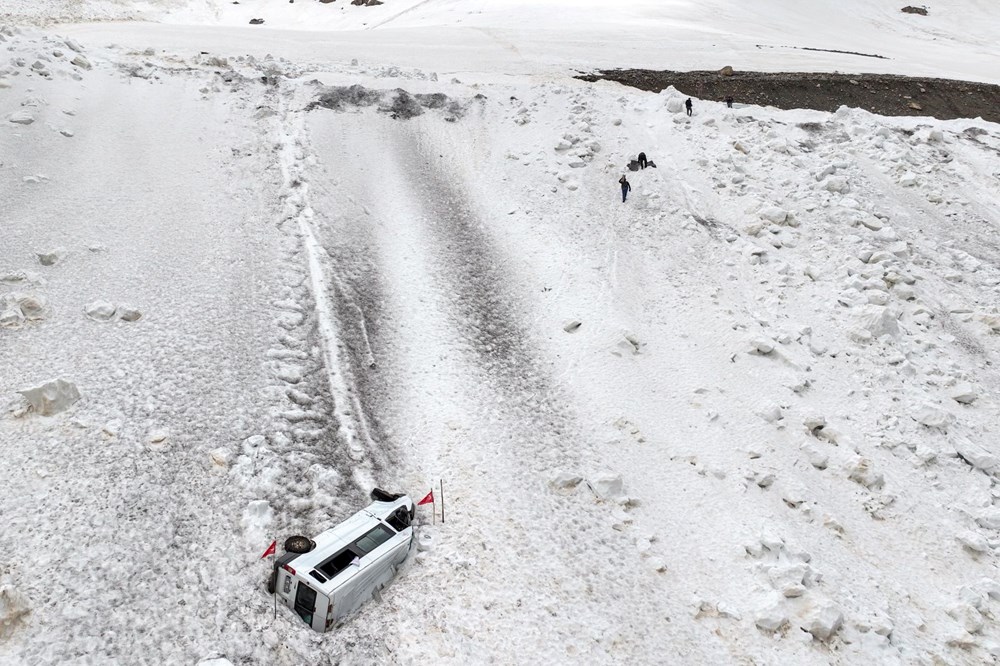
(427, 500)
(270, 549)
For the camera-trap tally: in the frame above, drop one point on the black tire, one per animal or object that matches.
(299, 544)
(379, 495)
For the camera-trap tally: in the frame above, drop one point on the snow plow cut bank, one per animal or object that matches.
(327, 578)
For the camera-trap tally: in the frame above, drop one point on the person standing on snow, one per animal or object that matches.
(642, 160)
(688, 105)
(729, 101)
(626, 187)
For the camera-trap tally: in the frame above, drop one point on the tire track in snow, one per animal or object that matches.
(352, 421)
(469, 386)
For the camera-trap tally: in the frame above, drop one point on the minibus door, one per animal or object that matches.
(305, 604)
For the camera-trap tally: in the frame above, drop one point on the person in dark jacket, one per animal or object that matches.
(688, 105)
(729, 101)
(642, 160)
(626, 187)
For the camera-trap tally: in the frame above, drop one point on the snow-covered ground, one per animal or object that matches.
(273, 291)
(958, 39)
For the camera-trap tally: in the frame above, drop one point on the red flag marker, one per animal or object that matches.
(427, 500)
(270, 549)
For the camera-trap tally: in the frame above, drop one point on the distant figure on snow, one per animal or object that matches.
(642, 160)
(687, 105)
(729, 101)
(626, 187)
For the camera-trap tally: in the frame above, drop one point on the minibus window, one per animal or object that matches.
(338, 562)
(400, 519)
(373, 539)
(305, 602)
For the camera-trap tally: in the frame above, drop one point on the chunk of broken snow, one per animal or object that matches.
(963, 393)
(793, 494)
(764, 480)
(21, 118)
(828, 170)
(904, 292)
(789, 578)
(80, 62)
(158, 435)
(989, 518)
(51, 397)
(877, 297)
(566, 481)
(816, 458)
(27, 306)
(658, 564)
(289, 373)
(771, 618)
(861, 470)
(572, 325)
(52, 257)
(887, 234)
(970, 618)
(608, 486)
(771, 413)
(629, 344)
(762, 346)
(837, 184)
(976, 456)
(989, 587)
(877, 320)
(128, 313)
(974, 541)
(773, 214)
(928, 135)
(824, 621)
(873, 223)
(100, 310)
(814, 423)
(728, 612)
(257, 518)
(675, 105)
(219, 457)
(11, 317)
(932, 417)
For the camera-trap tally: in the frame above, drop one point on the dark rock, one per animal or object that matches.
(337, 97)
(914, 10)
(404, 106)
(432, 100)
(878, 93)
(256, 21)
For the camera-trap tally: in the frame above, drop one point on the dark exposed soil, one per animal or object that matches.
(884, 94)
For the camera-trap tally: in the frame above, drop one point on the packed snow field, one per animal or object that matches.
(746, 416)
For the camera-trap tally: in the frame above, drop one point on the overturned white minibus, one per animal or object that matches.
(327, 578)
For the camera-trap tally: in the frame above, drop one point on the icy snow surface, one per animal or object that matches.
(748, 416)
